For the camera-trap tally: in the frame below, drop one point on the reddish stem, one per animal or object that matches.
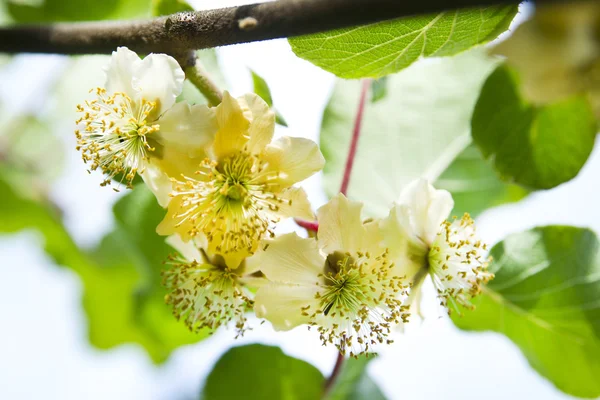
(308, 225)
(337, 368)
(355, 135)
(366, 84)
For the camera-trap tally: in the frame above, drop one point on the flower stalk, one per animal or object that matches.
(366, 84)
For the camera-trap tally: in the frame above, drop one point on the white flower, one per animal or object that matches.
(343, 283)
(134, 126)
(245, 185)
(204, 291)
(422, 242)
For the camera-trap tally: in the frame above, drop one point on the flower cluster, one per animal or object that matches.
(225, 182)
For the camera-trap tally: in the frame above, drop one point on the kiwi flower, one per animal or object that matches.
(133, 125)
(244, 185)
(342, 283)
(423, 242)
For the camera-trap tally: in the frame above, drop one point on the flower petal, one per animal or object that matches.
(119, 72)
(295, 205)
(158, 182)
(169, 226)
(428, 207)
(295, 159)
(233, 259)
(407, 250)
(188, 128)
(176, 163)
(282, 304)
(158, 77)
(186, 249)
(291, 259)
(262, 126)
(233, 124)
(340, 225)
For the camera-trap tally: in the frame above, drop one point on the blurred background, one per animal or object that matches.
(45, 350)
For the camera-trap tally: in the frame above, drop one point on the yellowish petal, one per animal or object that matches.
(294, 159)
(187, 249)
(169, 226)
(282, 304)
(158, 182)
(291, 259)
(175, 163)
(233, 259)
(407, 251)
(295, 204)
(232, 135)
(340, 225)
(262, 126)
(187, 128)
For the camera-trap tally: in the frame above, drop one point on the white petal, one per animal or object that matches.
(119, 72)
(340, 225)
(158, 182)
(428, 207)
(295, 159)
(295, 204)
(186, 249)
(407, 250)
(189, 128)
(262, 126)
(291, 259)
(282, 304)
(158, 78)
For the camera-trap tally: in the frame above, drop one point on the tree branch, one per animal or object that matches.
(204, 29)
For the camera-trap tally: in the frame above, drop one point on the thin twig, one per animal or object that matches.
(197, 75)
(225, 26)
(337, 368)
(308, 225)
(366, 84)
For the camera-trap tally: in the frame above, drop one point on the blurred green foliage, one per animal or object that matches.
(262, 372)
(421, 127)
(545, 298)
(353, 382)
(538, 147)
(262, 89)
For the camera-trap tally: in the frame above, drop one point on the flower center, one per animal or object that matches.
(205, 295)
(232, 202)
(458, 265)
(114, 137)
(359, 301)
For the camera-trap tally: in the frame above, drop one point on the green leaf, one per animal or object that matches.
(545, 299)
(353, 383)
(30, 153)
(121, 279)
(166, 7)
(474, 184)
(18, 212)
(378, 89)
(387, 47)
(417, 130)
(262, 89)
(135, 247)
(258, 372)
(537, 147)
(76, 10)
